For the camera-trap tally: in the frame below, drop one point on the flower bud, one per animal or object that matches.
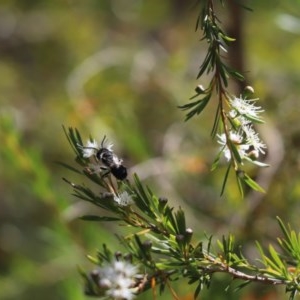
(248, 91)
(162, 203)
(118, 255)
(188, 235)
(147, 245)
(95, 275)
(180, 239)
(199, 89)
(163, 200)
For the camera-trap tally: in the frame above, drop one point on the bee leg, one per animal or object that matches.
(105, 172)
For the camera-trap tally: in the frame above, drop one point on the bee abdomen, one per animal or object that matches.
(119, 172)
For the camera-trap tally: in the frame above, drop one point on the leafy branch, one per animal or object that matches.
(235, 115)
(161, 248)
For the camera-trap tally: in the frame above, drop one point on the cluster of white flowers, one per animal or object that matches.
(243, 136)
(245, 107)
(118, 280)
(237, 139)
(123, 199)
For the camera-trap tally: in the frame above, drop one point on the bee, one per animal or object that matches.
(108, 158)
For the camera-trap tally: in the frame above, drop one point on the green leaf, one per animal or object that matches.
(227, 38)
(246, 7)
(68, 167)
(216, 121)
(256, 162)
(216, 161)
(239, 183)
(262, 254)
(235, 74)
(276, 258)
(195, 107)
(89, 285)
(74, 138)
(209, 243)
(291, 243)
(144, 198)
(253, 119)
(242, 285)
(180, 220)
(283, 229)
(92, 259)
(171, 223)
(251, 183)
(225, 179)
(198, 290)
(207, 64)
(197, 22)
(223, 71)
(234, 151)
(99, 218)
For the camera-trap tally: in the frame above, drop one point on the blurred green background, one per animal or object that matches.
(121, 68)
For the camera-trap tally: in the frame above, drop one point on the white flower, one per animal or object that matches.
(123, 199)
(246, 107)
(241, 120)
(120, 294)
(253, 140)
(233, 114)
(90, 149)
(118, 278)
(237, 140)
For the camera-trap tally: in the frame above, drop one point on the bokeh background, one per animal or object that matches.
(121, 68)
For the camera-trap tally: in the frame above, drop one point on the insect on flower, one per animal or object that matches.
(108, 158)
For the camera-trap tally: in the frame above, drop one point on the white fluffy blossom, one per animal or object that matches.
(118, 279)
(246, 141)
(90, 149)
(246, 107)
(123, 199)
(237, 139)
(253, 140)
